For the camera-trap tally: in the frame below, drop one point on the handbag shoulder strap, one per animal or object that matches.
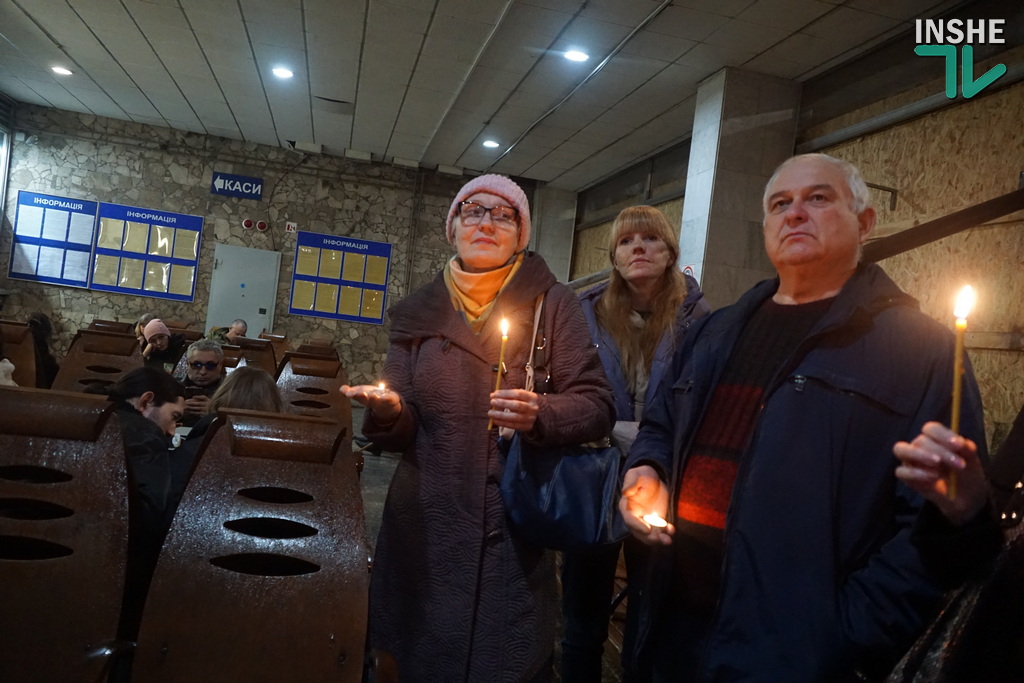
(538, 325)
(541, 376)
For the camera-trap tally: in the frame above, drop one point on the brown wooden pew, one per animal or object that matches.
(264, 575)
(97, 357)
(63, 534)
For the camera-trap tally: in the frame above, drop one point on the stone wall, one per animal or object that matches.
(87, 157)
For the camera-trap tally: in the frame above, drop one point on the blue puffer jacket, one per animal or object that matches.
(819, 578)
(693, 306)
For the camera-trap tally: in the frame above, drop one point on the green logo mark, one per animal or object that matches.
(969, 87)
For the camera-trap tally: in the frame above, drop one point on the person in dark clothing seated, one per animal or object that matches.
(46, 365)
(162, 349)
(205, 372)
(149, 404)
(248, 388)
(229, 334)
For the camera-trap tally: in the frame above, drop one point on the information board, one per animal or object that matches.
(146, 252)
(340, 277)
(53, 238)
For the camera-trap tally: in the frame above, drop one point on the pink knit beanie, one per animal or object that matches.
(155, 326)
(501, 186)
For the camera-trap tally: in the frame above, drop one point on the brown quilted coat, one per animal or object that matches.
(456, 596)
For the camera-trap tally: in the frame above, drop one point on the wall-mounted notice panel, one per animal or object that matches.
(146, 252)
(52, 239)
(340, 277)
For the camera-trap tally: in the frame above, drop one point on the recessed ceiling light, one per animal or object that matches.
(282, 72)
(61, 70)
(577, 56)
(490, 143)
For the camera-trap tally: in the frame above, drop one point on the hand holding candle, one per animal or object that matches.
(501, 362)
(644, 505)
(964, 304)
(385, 404)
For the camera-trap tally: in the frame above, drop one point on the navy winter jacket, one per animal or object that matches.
(819, 577)
(693, 306)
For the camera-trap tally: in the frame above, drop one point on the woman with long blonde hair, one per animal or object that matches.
(636, 320)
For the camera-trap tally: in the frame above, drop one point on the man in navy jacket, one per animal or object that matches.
(787, 556)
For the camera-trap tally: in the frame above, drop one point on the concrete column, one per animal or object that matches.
(744, 126)
(553, 216)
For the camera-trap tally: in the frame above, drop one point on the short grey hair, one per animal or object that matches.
(205, 345)
(861, 197)
(241, 322)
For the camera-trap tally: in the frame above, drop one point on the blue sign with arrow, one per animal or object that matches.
(236, 186)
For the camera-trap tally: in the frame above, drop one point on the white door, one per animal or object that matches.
(244, 285)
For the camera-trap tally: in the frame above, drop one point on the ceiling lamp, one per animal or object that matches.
(61, 70)
(282, 72)
(576, 56)
(490, 143)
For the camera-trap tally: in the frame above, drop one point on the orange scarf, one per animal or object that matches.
(474, 294)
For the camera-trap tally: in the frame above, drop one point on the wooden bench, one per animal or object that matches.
(63, 534)
(264, 575)
(97, 357)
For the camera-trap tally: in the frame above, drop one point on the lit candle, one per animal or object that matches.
(964, 303)
(654, 519)
(380, 387)
(501, 362)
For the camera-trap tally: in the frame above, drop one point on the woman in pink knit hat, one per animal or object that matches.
(161, 349)
(455, 593)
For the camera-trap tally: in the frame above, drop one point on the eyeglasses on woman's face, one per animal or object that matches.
(471, 213)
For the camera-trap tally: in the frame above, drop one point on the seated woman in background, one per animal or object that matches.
(140, 327)
(161, 349)
(248, 388)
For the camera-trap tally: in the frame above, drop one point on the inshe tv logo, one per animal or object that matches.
(940, 38)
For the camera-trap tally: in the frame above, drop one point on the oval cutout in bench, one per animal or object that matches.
(270, 527)
(264, 564)
(104, 369)
(33, 474)
(311, 390)
(29, 508)
(276, 494)
(305, 403)
(26, 548)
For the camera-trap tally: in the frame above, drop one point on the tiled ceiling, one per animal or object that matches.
(427, 81)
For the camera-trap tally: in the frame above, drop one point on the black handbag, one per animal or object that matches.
(560, 497)
(978, 634)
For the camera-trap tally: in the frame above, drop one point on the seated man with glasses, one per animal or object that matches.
(205, 367)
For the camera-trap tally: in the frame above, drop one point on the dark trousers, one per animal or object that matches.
(677, 641)
(588, 580)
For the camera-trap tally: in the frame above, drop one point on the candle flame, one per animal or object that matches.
(504, 327)
(381, 386)
(964, 302)
(654, 519)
